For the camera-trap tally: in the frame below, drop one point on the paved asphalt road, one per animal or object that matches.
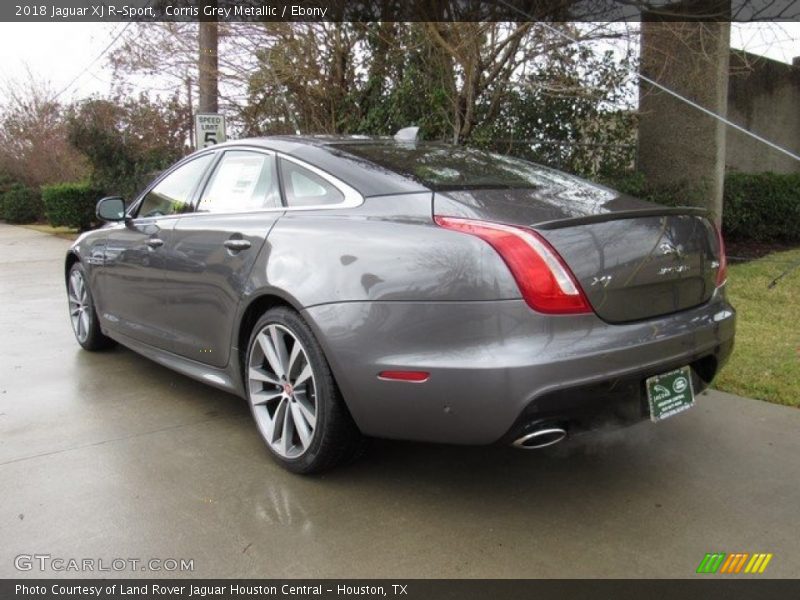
(110, 456)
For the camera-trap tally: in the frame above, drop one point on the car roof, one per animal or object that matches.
(321, 151)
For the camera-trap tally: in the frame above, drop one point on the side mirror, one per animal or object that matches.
(111, 208)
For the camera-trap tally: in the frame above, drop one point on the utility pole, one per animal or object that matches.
(208, 64)
(191, 110)
(677, 143)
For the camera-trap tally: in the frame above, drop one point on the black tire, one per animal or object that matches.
(335, 438)
(91, 338)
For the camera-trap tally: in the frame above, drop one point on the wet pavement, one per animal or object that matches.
(109, 456)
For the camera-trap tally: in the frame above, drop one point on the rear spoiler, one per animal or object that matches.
(661, 211)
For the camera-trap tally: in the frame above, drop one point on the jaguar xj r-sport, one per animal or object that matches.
(365, 287)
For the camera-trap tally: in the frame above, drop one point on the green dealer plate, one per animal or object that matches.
(670, 393)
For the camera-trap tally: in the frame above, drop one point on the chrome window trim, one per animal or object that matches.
(352, 197)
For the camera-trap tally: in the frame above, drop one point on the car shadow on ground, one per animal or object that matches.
(602, 465)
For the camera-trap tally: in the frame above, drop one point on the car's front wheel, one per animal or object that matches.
(82, 314)
(294, 399)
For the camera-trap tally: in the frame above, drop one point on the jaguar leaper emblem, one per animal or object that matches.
(669, 249)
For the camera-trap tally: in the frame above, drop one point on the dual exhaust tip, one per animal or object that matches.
(541, 438)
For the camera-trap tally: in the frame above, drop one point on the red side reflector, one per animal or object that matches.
(413, 376)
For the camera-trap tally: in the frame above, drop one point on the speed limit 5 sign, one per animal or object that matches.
(209, 129)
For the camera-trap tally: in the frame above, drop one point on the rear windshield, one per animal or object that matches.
(444, 167)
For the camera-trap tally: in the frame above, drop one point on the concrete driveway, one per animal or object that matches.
(109, 456)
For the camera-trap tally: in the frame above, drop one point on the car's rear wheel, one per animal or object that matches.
(294, 399)
(82, 315)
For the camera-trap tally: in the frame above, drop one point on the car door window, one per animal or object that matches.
(305, 188)
(243, 181)
(173, 194)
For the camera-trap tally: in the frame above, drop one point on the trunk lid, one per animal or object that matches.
(633, 259)
(640, 267)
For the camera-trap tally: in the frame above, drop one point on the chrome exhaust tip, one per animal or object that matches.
(541, 438)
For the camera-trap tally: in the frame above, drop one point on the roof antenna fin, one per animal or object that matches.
(406, 134)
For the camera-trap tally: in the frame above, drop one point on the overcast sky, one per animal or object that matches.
(59, 52)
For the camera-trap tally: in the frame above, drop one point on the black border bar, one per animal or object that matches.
(708, 587)
(395, 10)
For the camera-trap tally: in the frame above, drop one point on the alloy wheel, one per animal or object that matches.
(283, 391)
(79, 307)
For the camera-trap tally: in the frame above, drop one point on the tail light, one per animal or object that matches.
(722, 272)
(546, 283)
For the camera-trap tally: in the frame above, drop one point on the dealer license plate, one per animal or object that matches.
(670, 393)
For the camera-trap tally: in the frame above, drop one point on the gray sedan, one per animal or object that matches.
(356, 287)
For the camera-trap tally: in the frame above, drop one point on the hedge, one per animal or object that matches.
(762, 207)
(676, 194)
(757, 207)
(70, 204)
(21, 204)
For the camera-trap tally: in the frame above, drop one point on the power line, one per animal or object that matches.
(667, 90)
(96, 58)
(99, 56)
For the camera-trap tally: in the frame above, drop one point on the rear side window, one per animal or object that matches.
(303, 187)
(242, 181)
(173, 194)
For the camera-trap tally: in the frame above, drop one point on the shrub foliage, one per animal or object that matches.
(762, 207)
(70, 204)
(21, 204)
(757, 207)
(125, 140)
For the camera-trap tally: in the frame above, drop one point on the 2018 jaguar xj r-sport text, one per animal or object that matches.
(351, 287)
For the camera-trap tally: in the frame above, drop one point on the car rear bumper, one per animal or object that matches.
(497, 368)
(610, 402)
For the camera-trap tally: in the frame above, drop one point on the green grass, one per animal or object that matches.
(62, 232)
(766, 359)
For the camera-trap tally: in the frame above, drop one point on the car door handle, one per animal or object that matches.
(237, 245)
(155, 242)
